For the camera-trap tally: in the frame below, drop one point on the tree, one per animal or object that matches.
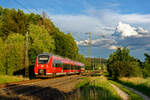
(1, 27)
(33, 18)
(80, 58)
(71, 49)
(146, 65)
(121, 64)
(47, 23)
(14, 53)
(2, 53)
(40, 41)
(43, 37)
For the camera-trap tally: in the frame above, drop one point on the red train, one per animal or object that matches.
(48, 64)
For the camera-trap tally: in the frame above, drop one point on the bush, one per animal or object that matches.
(121, 64)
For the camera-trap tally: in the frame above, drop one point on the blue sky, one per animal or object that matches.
(113, 23)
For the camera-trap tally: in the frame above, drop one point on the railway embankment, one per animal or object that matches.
(75, 87)
(99, 88)
(10, 79)
(95, 88)
(55, 89)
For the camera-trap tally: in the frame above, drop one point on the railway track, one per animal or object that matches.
(34, 89)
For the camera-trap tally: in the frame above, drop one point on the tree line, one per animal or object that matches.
(43, 36)
(95, 63)
(122, 64)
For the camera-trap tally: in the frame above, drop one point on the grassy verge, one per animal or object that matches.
(83, 82)
(97, 88)
(140, 84)
(9, 79)
(132, 95)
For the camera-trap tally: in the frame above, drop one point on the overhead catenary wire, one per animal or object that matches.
(22, 6)
(79, 39)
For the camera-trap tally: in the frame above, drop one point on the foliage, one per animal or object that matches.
(48, 25)
(66, 46)
(80, 58)
(12, 21)
(14, 53)
(2, 56)
(146, 65)
(43, 37)
(1, 26)
(71, 49)
(120, 64)
(96, 63)
(40, 41)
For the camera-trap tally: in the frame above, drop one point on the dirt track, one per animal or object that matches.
(123, 94)
(51, 89)
(137, 92)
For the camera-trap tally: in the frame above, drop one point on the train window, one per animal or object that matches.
(76, 67)
(61, 65)
(54, 65)
(43, 59)
(73, 67)
(64, 67)
(57, 65)
(68, 66)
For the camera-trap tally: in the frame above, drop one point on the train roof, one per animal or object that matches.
(50, 54)
(62, 59)
(66, 60)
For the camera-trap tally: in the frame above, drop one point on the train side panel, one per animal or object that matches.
(57, 66)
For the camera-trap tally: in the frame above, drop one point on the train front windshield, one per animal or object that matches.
(43, 59)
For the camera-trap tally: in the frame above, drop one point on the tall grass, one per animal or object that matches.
(96, 88)
(9, 79)
(140, 84)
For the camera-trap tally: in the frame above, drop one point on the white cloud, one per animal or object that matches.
(99, 21)
(133, 29)
(82, 43)
(126, 30)
(142, 31)
(102, 42)
(113, 47)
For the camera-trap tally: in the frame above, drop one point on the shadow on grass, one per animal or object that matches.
(32, 93)
(22, 72)
(48, 93)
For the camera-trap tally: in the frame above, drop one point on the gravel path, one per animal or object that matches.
(137, 92)
(123, 94)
